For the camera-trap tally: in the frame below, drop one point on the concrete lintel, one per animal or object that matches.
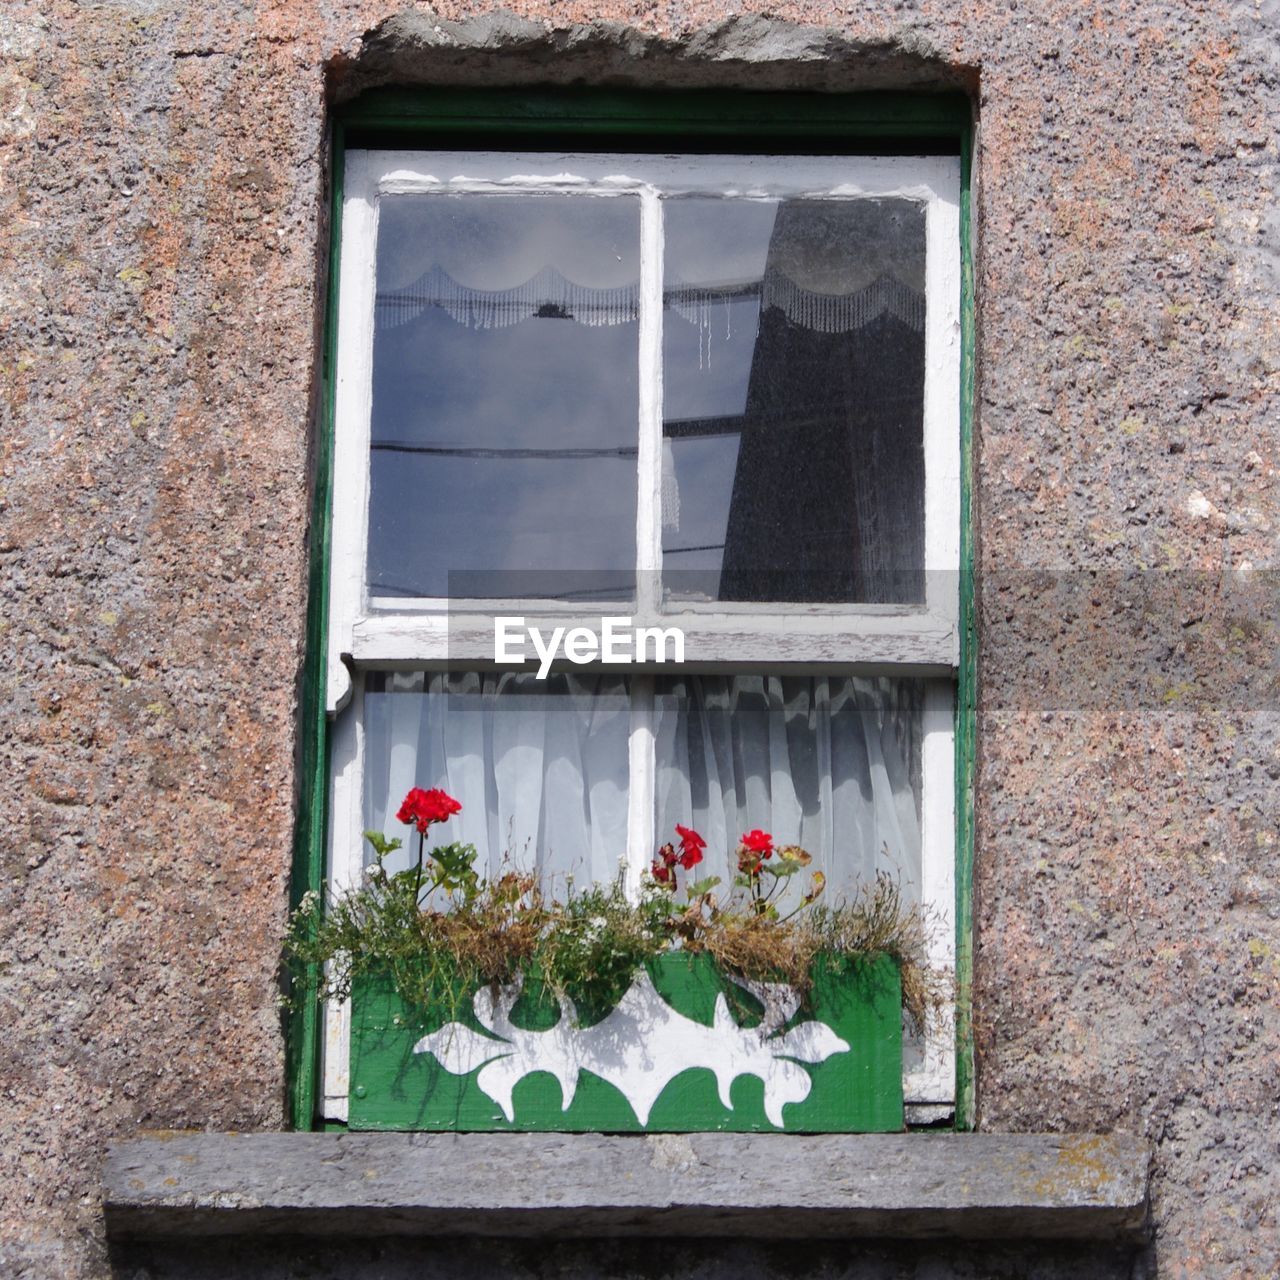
(976, 1186)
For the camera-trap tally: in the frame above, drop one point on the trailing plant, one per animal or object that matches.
(442, 930)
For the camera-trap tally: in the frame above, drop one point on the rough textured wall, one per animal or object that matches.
(161, 196)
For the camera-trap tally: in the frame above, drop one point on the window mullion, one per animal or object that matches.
(649, 462)
(642, 783)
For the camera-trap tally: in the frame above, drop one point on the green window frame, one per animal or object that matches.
(704, 120)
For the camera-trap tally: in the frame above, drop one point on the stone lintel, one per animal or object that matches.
(975, 1186)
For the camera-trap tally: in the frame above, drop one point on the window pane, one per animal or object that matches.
(793, 348)
(539, 766)
(505, 397)
(828, 763)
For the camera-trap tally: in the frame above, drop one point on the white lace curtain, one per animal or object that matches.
(828, 763)
(541, 767)
(548, 293)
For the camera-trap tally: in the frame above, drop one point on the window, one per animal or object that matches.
(715, 392)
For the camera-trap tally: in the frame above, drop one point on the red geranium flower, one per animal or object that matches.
(422, 808)
(690, 838)
(662, 872)
(758, 841)
(691, 846)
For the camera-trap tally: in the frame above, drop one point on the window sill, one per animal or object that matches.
(971, 1186)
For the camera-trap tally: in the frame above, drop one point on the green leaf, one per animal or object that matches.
(782, 871)
(455, 859)
(699, 887)
(381, 845)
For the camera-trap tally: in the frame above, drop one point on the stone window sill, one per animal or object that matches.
(972, 1186)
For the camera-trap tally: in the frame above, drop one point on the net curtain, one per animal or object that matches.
(541, 767)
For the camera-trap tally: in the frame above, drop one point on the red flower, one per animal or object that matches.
(662, 873)
(758, 841)
(689, 837)
(691, 846)
(422, 808)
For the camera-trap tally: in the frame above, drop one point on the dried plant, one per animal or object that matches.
(442, 931)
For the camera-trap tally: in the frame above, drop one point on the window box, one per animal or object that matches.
(686, 1050)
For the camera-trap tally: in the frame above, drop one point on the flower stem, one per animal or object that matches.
(417, 883)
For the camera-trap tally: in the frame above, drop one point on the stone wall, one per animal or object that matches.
(162, 244)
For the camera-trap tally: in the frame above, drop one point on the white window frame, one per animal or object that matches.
(367, 633)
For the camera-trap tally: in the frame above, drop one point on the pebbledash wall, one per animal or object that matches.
(163, 188)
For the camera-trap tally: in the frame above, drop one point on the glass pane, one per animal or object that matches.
(828, 763)
(505, 397)
(793, 452)
(539, 766)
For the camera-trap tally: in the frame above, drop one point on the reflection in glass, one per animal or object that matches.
(539, 766)
(830, 763)
(793, 452)
(504, 397)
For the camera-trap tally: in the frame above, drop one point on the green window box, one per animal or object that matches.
(685, 1050)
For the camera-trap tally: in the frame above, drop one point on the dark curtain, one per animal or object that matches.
(828, 495)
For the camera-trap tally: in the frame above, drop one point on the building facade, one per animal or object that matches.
(165, 178)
